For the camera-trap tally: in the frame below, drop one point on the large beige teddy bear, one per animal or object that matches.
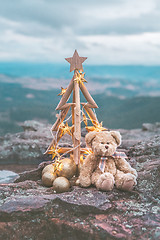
(106, 167)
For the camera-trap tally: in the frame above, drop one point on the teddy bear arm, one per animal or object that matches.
(124, 166)
(87, 170)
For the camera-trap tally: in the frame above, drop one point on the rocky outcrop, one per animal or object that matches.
(150, 126)
(30, 211)
(28, 147)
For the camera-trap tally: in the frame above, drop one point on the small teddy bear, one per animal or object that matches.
(106, 167)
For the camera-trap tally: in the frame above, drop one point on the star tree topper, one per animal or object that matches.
(76, 61)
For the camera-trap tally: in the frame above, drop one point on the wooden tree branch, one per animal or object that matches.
(87, 95)
(66, 105)
(51, 145)
(77, 124)
(90, 114)
(60, 119)
(66, 95)
(73, 106)
(67, 150)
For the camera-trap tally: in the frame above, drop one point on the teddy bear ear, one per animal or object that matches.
(89, 137)
(117, 136)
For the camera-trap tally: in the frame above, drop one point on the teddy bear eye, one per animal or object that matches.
(102, 142)
(107, 142)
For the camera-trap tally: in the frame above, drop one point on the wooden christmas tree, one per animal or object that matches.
(61, 128)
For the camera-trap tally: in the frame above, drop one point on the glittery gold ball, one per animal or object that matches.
(67, 168)
(48, 168)
(48, 178)
(61, 184)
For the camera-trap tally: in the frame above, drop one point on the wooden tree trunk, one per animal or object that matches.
(77, 123)
(73, 106)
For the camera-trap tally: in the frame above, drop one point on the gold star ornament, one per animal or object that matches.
(63, 90)
(54, 151)
(80, 77)
(98, 128)
(76, 61)
(64, 128)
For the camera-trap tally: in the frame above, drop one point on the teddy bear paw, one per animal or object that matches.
(84, 182)
(105, 182)
(134, 172)
(128, 183)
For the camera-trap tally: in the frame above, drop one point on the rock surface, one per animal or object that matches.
(28, 147)
(7, 176)
(30, 211)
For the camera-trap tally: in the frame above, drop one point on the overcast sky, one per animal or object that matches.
(106, 31)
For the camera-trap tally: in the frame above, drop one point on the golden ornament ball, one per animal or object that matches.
(48, 168)
(61, 184)
(48, 178)
(67, 168)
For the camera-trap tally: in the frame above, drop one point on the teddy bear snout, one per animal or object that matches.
(106, 146)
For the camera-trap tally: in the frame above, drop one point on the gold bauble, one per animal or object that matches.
(48, 178)
(48, 168)
(67, 168)
(61, 184)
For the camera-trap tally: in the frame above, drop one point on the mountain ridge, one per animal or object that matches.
(19, 104)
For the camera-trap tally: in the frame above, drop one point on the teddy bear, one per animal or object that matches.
(106, 167)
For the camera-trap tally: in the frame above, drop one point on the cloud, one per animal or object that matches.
(124, 49)
(115, 32)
